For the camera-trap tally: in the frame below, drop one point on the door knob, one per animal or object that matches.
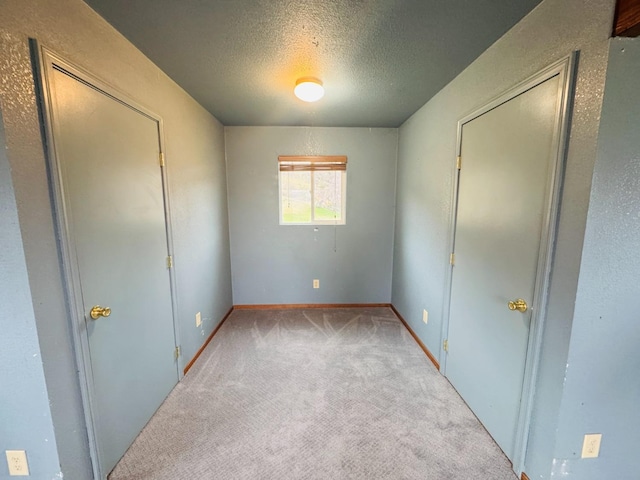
(518, 304)
(98, 311)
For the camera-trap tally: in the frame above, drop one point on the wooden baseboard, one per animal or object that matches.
(415, 337)
(316, 305)
(524, 476)
(204, 345)
(287, 306)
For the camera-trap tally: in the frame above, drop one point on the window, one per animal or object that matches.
(312, 190)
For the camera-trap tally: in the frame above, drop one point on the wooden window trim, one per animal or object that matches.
(307, 163)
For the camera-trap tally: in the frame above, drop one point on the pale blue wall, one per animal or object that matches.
(427, 151)
(197, 181)
(602, 387)
(199, 212)
(25, 418)
(275, 264)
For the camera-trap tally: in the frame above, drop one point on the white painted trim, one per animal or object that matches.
(565, 70)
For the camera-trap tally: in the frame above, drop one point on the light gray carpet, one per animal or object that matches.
(313, 394)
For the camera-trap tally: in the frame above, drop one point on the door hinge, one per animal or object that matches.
(452, 259)
(161, 159)
(445, 345)
(169, 261)
(177, 352)
(459, 162)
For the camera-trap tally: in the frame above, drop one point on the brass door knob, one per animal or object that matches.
(518, 304)
(98, 311)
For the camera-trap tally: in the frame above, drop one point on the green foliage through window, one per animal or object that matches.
(312, 196)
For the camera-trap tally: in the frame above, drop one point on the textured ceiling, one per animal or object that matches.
(380, 60)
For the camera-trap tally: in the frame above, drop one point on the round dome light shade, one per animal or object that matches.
(309, 89)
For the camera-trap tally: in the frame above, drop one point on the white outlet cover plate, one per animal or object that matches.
(425, 316)
(591, 445)
(198, 319)
(17, 462)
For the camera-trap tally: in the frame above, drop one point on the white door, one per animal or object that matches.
(507, 160)
(111, 180)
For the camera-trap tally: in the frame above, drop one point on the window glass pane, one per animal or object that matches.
(295, 191)
(327, 191)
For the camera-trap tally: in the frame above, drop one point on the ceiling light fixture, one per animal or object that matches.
(309, 89)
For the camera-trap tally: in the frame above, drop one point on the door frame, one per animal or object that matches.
(44, 62)
(566, 70)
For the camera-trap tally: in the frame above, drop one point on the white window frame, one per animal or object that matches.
(313, 163)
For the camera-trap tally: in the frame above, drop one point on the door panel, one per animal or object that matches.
(507, 157)
(113, 194)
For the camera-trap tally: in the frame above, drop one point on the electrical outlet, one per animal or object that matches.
(17, 461)
(316, 283)
(198, 319)
(591, 445)
(425, 316)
